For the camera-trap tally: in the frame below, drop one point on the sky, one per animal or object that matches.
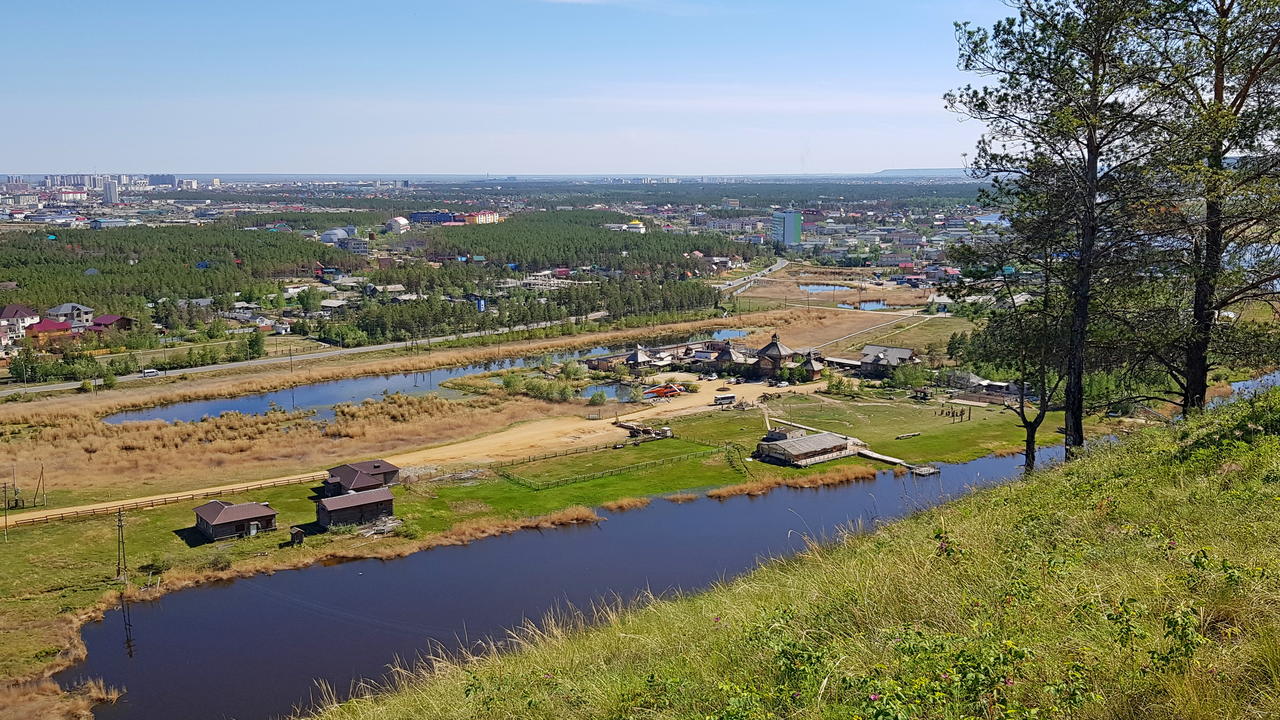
(673, 87)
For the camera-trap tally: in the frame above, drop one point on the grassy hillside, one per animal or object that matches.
(1139, 582)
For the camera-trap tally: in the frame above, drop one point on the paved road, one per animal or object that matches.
(54, 387)
(742, 283)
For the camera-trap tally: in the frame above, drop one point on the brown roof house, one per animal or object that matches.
(771, 358)
(355, 508)
(218, 519)
(358, 477)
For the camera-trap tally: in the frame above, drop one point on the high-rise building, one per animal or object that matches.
(158, 180)
(786, 227)
(110, 192)
(215, 183)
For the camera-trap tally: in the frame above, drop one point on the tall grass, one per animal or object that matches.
(1141, 581)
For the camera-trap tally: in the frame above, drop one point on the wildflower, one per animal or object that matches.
(1008, 682)
(873, 697)
(716, 619)
(546, 675)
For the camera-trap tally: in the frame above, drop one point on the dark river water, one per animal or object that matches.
(256, 647)
(322, 396)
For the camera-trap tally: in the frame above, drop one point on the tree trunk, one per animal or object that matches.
(1029, 452)
(1208, 267)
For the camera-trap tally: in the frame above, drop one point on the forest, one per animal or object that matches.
(121, 270)
(538, 241)
(549, 194)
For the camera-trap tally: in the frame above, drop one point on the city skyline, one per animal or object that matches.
(511, 87)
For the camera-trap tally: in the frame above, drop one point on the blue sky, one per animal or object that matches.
(484, 86)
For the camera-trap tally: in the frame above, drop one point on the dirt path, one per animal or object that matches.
(518, 441)
(541, 436)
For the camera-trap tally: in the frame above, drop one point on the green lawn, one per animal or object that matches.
(917, 333)
(567, 466)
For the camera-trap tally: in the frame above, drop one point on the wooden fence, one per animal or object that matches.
(111, 509)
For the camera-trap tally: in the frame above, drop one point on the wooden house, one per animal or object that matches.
(219, 519)
(359, 477)
(356, 508)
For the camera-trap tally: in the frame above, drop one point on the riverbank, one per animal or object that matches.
(1139, 582)
(40, 612)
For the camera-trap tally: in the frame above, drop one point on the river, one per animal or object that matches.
(321, 397)
(255, 647)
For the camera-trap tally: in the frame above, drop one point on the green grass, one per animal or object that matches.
(1141, 581)
(567, 466)
(918, 333)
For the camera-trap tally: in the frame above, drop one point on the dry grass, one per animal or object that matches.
(99, 693)
(764, 485)
(680, 497)
(625, 504)
(42, 699)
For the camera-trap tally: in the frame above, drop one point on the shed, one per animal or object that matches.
(219, 519)
(806, 449)
(355, 508)
(361, 476)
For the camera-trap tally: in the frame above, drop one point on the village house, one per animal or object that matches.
(79, 316)
(361, 476)
(48, 331)
(14, 321)
(109, 323)
(879, 361)
(219, 519)
(356, 508)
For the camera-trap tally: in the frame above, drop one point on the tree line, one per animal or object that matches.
(1132, 146)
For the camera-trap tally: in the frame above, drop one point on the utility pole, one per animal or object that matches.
(6, 512)
(122, 564)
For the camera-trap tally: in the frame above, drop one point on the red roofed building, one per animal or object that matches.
(105, 323)
(48, 330)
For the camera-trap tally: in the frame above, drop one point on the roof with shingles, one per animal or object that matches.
(218, 512)
(356, 499)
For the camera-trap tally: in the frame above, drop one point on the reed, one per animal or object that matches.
(680, 497)
(764, 485)
(625, 504)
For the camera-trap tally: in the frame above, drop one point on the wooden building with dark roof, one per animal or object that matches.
(359, 477)
(219, 519)
(355, 508)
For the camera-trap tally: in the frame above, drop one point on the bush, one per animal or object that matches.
(598, 398)
(408, 532)
(86, 386)
(108, 381)
(218, 561)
